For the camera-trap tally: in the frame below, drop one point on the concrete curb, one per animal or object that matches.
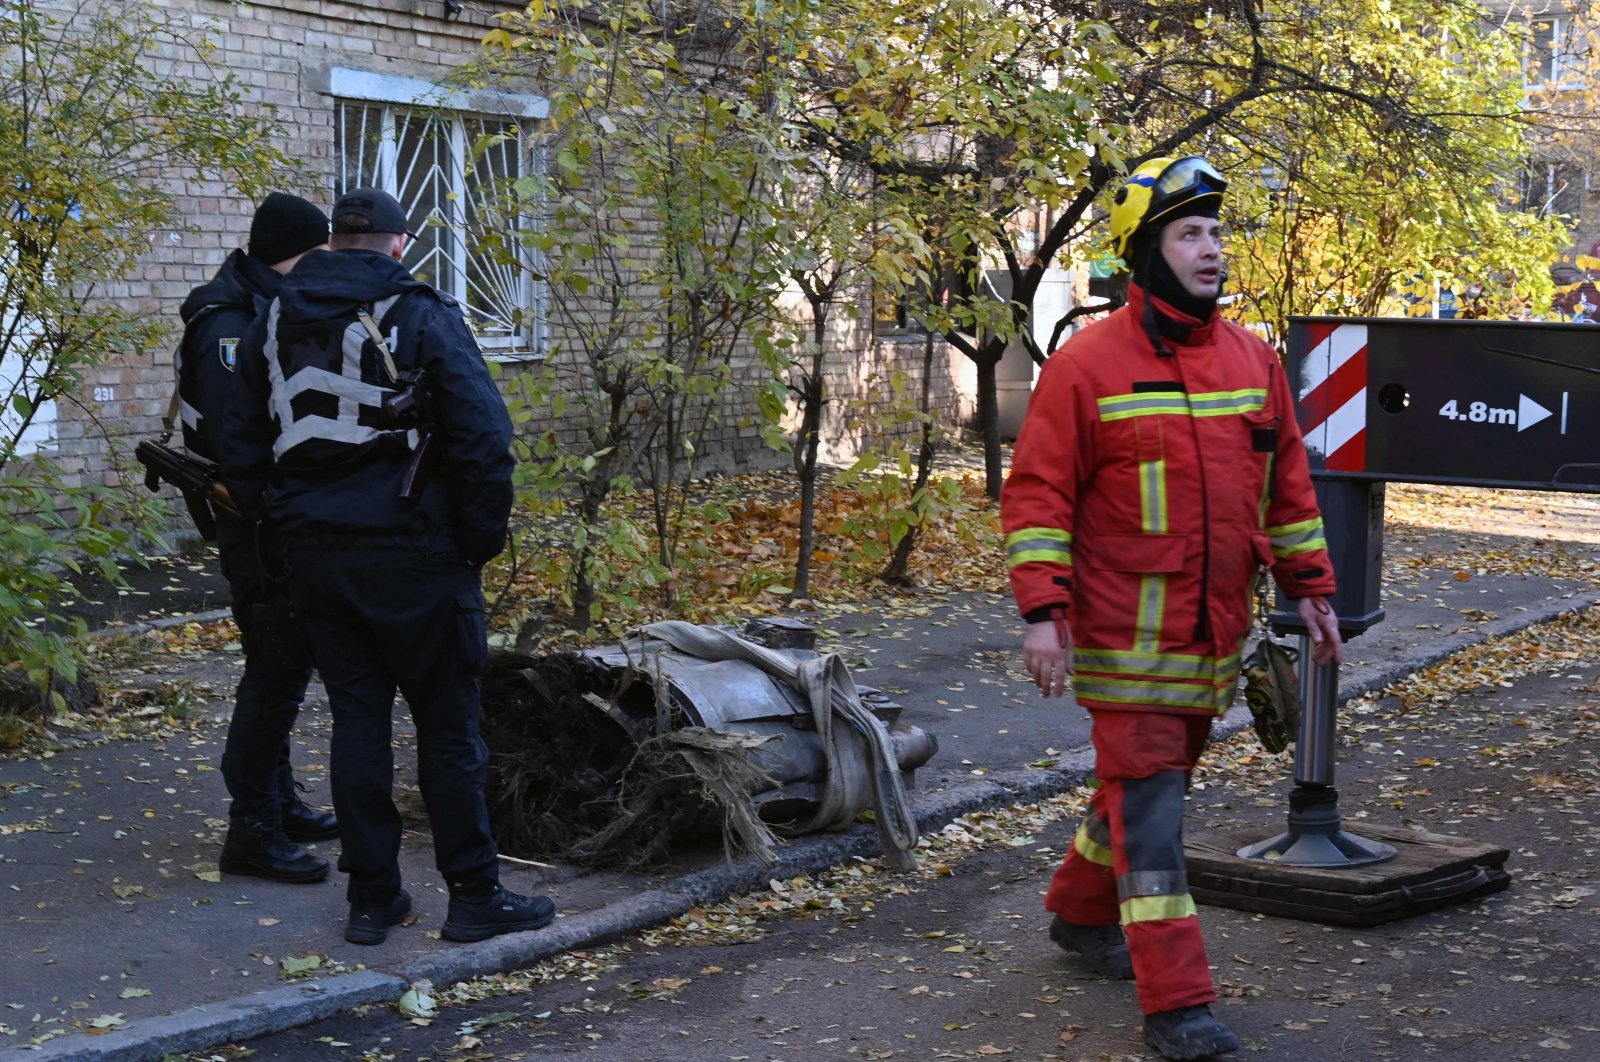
(163, 623)
(232, 1020)
(284, 1008)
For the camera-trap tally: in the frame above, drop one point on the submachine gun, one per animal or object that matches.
(410, 406)
(196, 479)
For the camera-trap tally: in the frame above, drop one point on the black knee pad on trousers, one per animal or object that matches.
(1098, 828)
(1152, 825)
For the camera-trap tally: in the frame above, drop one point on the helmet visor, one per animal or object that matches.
(1187, 178)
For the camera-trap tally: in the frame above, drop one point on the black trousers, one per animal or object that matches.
(255, 757)
(386, 619)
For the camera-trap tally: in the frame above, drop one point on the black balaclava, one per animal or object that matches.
(1152, 273)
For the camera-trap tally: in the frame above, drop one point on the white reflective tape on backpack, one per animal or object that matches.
(347, 388)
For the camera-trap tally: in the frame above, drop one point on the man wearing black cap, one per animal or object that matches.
(265, 815)
(1158, 471)
(351, 372)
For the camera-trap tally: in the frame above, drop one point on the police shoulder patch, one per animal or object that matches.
(228, 351)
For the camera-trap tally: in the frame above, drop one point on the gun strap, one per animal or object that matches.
(169, 419)
(378, 341)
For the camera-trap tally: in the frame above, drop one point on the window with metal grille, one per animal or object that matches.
(448, 169)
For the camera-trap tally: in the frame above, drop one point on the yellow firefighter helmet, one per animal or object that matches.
(1155, 190)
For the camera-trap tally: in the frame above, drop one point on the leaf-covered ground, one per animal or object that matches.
(1432, 746)
(741, 543)
(951, 961)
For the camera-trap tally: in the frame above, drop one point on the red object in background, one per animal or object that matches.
(1569, 303)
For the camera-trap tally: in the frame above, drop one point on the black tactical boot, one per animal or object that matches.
(305, 823)
(497, 913)
(369, 923)
(1103, 949)
(1189, 1033)
(264, 852)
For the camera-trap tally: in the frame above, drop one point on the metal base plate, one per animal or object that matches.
(1300, 848)
(1428, 871)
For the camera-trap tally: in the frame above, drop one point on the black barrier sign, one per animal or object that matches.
(1482, 403)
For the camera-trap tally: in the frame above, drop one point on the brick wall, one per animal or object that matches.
(283, 52)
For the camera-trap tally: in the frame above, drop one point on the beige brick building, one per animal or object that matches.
(356, 84)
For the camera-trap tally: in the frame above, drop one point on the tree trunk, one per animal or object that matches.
(805, 466)
(898, 573)
(593, 493)
(989, 421)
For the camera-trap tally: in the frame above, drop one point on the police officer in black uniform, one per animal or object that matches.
(355, 378)
(266, 815)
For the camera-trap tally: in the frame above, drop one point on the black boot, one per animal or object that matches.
(494, 914)
(369, 922)
(304, 823)
(1189, 1033)
(264, 852)
(1103, 949)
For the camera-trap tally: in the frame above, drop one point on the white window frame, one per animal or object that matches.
(40, 434)
(1557, 70)
(410, 99)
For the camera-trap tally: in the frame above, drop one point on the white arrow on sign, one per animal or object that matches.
(1529, 412)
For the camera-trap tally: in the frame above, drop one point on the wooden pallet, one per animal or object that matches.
(1429, 871)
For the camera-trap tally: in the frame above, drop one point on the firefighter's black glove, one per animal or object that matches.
(1272, 690)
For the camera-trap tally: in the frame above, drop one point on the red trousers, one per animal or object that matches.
(1126, 862)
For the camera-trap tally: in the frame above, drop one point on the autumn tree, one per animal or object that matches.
(654, 230)
(1558, 42)
(1560, 50)
(988, 110)
(1404, 186)
(97, 129)
(848, 237)
(1051, 103)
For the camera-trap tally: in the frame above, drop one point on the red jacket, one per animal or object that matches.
(1146, 492)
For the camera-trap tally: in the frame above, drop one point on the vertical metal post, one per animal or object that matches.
(1319, 719)
(1352, 512)
(1316, 836)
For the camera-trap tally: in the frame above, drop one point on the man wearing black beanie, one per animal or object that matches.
(385, 559)
(284, 228)
(266, 816)
(1158, 471)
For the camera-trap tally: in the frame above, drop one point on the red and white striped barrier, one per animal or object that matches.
(1333, 395)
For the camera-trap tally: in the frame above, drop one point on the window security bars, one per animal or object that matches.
(448, 169)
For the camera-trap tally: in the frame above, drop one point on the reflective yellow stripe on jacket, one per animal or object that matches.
(1176, 403)
(1291, 540)
(1207, 697)
(1160, 665)
(1151, 616)
(1038, 544)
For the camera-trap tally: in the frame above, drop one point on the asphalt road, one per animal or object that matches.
(107, 849)
(954, 963)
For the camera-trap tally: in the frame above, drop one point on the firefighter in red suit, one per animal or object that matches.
(1158, 471)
